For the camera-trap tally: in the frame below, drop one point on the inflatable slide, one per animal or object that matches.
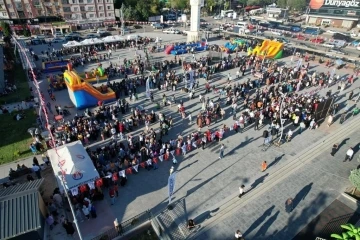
(268, 49)
(83, 94)
(91, 76)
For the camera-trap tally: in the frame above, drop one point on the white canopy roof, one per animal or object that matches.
(115, 38)
(75, 163)
(91, 41)
(72, 44)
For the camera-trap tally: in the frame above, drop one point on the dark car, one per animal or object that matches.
(339, 36)
(338, 51)
(110, 29)
(105, 34)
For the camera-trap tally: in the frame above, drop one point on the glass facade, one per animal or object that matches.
(339, 12)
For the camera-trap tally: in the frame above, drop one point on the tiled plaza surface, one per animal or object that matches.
(204, 182)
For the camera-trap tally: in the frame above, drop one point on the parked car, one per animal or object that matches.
(91, 35)
(339, 36)
(218, 17)
(275, 33)
(338, 51)
(105, 34)
(110, 29)
(58, 40)
(331, 31)
(171, 30)
(328, 45)
(282, 40)
(40, 36)
(58, 35)
(73, 34)
(158, 26)
(317, 40)
(301, 37)
(99, 31)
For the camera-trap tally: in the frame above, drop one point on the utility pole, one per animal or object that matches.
(122, 20)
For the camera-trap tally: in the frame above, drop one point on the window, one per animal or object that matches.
(108, 1)
(12, 14)
(66, 9)
(81, 1)
(76, 9)
(338, 11)
(91, 15)
(100, 1)
(4, 14)
(9, 5)
(82, 9)
(108, 7)
(90, 8)
(323, 10)
(109, 14)
(101, 15)
(101, 8)
(89, 1)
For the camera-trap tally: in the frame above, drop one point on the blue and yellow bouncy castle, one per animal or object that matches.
(92, 76)
(83, 94)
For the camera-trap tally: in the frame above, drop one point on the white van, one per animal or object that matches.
(244, 25)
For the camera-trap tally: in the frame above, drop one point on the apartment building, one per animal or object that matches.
(70, 10)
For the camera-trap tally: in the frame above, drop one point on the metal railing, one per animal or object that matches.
(125, 227)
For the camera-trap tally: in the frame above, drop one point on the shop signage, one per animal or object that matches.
(317, 4)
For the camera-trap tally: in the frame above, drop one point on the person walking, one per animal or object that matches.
(263, 166)
(351, 94)
(334, 149)
(289, 206)
(48, 105)
(330, 120)
(257, 120)
(69, 228)
(36, 169)
(238, 235)
(86, 212)
(222, 151)
(171, 170)
(349, 154)
(241, 190)
(112, 195)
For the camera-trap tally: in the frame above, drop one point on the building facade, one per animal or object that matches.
(69, 10)
(338, 13)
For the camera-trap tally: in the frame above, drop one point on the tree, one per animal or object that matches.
(6, 28)
(292, 4)
(129, 13)
(210, 4)
(351, 233)
(180, 4)
(226, 5)
(118, 3)
(355, 178)
(259, 2)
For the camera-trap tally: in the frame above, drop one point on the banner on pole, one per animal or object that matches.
(171, 185)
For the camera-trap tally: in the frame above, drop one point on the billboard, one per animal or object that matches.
(317, 4)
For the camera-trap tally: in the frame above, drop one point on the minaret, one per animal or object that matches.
(194, 35)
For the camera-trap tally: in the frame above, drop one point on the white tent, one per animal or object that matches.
(91, 41)
(115, 38)
(72, 163)
(132, 37)
(71, 44)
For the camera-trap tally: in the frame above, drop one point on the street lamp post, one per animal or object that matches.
(281, 120)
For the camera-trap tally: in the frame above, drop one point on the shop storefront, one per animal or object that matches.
(334, 13)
